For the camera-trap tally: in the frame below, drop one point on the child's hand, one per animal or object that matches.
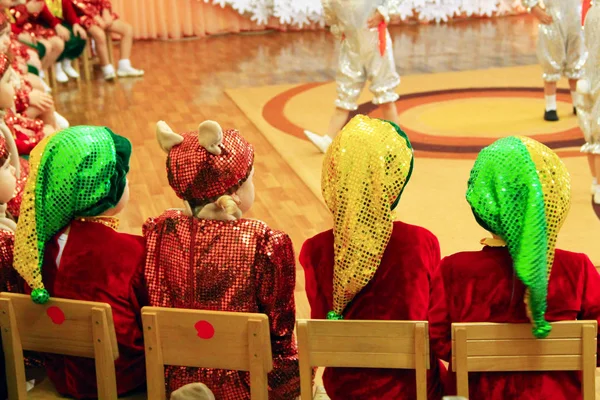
(79, 31)
(542, 15)
(100, 22)
(35, 6)
(375, 20)
(62, 32)
(41, 100)
(27, 38)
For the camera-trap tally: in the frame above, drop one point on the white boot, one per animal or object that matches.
(597, 196)
(322, 142)
(61, 121)
(61, 77)
(109, 72)
(69, 70)
(594, 185)
(125, 70)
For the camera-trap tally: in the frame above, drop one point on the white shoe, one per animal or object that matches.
(595, 186)
(322, 142)
(597, 196)
(109, 72)
(61, 77)
(127, 72)
(61, 121)
(69, 70)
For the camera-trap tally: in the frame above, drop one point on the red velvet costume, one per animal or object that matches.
(482, 287)
(89, 9)
(99, 264)
(41, 25)
(26, 131)
(398, 291)
(240, 265)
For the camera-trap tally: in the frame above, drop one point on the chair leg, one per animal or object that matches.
(52, 77)
(111, 50)
(85, 58)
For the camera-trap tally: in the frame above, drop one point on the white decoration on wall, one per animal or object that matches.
(305, 12)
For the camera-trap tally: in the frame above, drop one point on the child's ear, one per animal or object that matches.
(167, 139)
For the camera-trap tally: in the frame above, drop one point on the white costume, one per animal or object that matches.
(560, 49)
(588, 109)
(360, 58)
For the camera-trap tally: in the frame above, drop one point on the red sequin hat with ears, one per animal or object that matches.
(205, 165)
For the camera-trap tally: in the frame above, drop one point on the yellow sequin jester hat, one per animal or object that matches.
(78, 172)
(364, 173)
(520, 190)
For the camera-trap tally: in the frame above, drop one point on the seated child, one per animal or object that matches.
(99, 20)
(67, 246)
(64, 12)
(7, 95)
(208, 257)
(35, 24)
(9, 174)
(519, 191)
(370, 267)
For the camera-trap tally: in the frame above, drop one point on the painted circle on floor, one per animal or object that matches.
(458, 123)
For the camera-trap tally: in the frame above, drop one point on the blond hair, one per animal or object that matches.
(225, 204)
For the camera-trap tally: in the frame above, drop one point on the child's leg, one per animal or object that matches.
(100, 38)
(337, 122)
(390, 112)
(551, 53)
(58, 45)
(384, 81)
(576, 57)
(350, 80)
(126, 32)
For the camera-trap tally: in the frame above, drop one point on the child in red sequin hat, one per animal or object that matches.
(208, 257)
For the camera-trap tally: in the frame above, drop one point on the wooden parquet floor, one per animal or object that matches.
(184, 85)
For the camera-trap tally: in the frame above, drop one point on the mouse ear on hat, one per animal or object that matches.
(167, 139)
(210, 136)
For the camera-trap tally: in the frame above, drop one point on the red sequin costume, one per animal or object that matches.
(40, 25)
(87, 10)
(14, 205)
(20, 54)
(26, 131)
(223, 265)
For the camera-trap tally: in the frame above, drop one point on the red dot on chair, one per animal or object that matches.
(205, 329)
(56, 315)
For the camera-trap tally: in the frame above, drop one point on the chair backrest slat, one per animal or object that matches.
(206, 339)
(486, 347)
(363, 344)
(61, 326)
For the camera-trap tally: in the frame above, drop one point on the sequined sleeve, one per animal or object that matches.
(276, 279)
(89, 8)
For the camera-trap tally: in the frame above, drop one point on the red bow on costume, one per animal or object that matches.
(382, 37)
(587, 4)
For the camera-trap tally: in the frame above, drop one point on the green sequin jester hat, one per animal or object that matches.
(520, 190)
(78, 172)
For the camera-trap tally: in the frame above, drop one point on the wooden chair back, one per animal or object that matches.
(486, 347)
(363, 344)
(206, 339)
(68, 327)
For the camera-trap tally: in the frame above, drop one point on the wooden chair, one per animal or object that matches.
(571, 346)
(87, 57)
(206, 339)
(69, 327)
(363, 344)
